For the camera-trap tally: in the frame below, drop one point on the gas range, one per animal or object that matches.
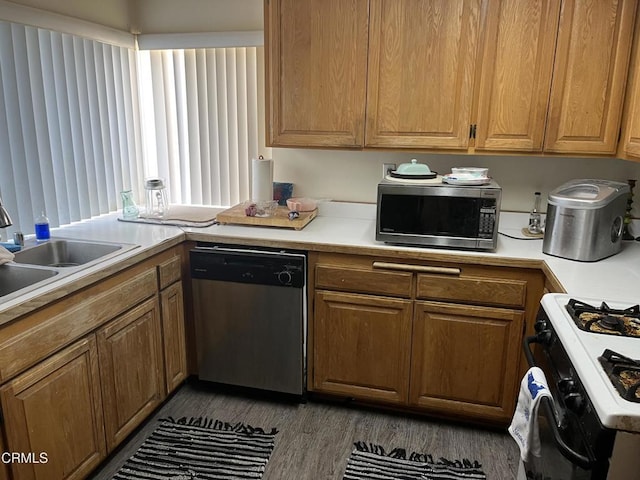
(586, 349)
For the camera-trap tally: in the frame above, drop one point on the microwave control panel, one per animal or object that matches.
(487, 220)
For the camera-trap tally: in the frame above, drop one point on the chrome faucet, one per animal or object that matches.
(5, 219)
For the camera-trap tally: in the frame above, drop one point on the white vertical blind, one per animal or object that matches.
(202, 111)
(69, 128)
(82, 120)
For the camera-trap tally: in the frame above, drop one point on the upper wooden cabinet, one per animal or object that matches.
(590, 71)
(316, 69)
(465, 75)
(421, 72)
(515, 74)
(630, 141)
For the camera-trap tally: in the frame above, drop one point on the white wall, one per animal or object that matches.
(192, 16)
(111, 13)
(160, 16)
(353, 176)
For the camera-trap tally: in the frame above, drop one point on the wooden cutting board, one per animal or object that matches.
(236, 215)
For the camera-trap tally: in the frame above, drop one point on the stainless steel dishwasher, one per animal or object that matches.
(250, 316)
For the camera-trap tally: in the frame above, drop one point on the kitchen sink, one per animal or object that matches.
(18, 277)
(64, 253)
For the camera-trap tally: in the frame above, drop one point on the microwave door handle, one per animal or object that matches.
(574, 457)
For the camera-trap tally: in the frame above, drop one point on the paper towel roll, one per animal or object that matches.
(261, 179)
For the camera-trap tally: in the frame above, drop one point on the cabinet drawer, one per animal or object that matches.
(395, 284)
(169, 271)
(25, 343)
(480, 290)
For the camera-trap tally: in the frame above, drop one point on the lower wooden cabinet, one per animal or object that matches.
(361, 346)
(173, 336)
(79, 375)
(447, 343)
(55, 408)
(131, 369)
(465, 359)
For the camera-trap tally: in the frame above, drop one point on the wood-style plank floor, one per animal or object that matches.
(316, 438)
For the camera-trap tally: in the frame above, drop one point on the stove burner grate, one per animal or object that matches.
(604, 319)
(624, 374)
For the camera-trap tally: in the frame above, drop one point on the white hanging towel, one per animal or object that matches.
(524, 425)
(5, 255)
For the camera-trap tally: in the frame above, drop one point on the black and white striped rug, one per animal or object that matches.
(372, 462)
(200, 448)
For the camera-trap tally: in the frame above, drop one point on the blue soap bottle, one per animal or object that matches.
(42, 228)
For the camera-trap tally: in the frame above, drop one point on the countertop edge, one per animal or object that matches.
(71, 285)
(384, 250)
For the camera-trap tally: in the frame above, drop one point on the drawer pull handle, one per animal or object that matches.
(417, 268)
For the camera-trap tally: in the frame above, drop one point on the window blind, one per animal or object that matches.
(81, 120)
(69, 126)
(203, 120)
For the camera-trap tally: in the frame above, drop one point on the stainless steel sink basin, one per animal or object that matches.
(17, 277)
(60, 253)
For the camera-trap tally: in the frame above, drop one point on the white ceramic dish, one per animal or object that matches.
(475, 172)
(465, 180)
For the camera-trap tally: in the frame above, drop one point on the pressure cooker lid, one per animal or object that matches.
(587, 193)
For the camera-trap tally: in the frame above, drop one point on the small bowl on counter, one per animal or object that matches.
(300, 204)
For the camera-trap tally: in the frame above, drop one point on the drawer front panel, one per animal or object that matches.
(169, 272)
(478, 290)
(23, 344)
(395, 284)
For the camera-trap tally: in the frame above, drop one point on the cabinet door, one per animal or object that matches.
(516, 71)
(630, 144)
(316, 63)
(421, 66)
(465, 359)
(55, 408)
(361, 346)
(131, 369)
(173, 335)
(590, 72)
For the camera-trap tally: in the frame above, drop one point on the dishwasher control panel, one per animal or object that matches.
(248, 265)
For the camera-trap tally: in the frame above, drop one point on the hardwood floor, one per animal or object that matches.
(316, 438)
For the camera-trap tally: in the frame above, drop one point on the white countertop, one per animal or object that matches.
(345, 225)
(353, 225)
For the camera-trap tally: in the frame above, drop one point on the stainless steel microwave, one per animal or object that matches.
(438, 214)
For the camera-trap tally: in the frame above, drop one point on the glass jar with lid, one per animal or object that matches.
(156, 199)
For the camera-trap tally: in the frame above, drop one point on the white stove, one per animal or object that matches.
(584, 348)
(595, 432)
